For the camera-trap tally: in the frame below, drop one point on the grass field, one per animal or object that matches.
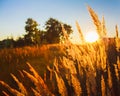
(89, 69)
(73, 70)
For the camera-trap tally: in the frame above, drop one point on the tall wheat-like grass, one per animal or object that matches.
(77, 70)
(80, 32)
(95, 20)
(12, 90)
(104, 30)
(116, 28)
(20, 85)
(61, 85)
(66, 38)
(6, 94)
(35, 92)
(40, 90)
(80, 72)
(117, 38)
(38, 81)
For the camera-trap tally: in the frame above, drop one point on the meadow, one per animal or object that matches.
(87, 69)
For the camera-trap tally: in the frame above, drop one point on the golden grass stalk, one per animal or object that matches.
(104, 32)
(5, 94)
(20, 85)
(56, 65)
(21, 73)
(31, 77)
(50, 70)
(116, 28)
(36, 75)
(64, 32)
(118, 62)
(102, 57)
(35, 92)
(66, 38)
(61, 85)
(76, 85)
(109, 79)
(35, 81)
(10, 89)
(95, 20)
(41, 87)
(80, 32)
(116, 72)
(68, 65)
(103, 86)
(117, 38)
(32, 70)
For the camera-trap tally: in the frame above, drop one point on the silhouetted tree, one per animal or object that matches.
(20, 42)
(7, 43)
(54, 30)
(33, 33)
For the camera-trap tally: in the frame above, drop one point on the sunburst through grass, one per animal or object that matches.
(89, 69)
(91, 37)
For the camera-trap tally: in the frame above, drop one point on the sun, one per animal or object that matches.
(91, 37)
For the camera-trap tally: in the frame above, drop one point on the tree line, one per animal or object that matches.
(52, 33)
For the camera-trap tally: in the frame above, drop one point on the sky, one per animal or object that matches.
(14, 13)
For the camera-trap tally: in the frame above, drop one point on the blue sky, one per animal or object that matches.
(14, 13)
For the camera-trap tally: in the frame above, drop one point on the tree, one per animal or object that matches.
(20, 42)
(54, 32)
(7, 43)
(33, 33)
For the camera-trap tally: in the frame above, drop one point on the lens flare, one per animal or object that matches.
(91, 37)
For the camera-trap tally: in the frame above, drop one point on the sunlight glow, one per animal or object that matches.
(91, 37)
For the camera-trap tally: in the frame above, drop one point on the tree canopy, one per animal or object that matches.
(33, 33)
(54, 32)
(34, 36)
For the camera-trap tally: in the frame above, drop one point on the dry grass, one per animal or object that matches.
(104, 30)
(80, 32)
(5, 94)
(74, 70)
(96, 21)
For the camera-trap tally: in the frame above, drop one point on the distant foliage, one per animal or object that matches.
(34, 36)
(33, 33)
(54, 32)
